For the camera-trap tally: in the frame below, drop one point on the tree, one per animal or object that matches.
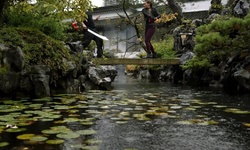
(60, 9)
(174, 7)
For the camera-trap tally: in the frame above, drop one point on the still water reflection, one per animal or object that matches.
(135, 115)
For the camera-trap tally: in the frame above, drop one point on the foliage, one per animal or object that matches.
(49, 26)
(45, 15)
(166, 18)
(38, 48)
(60, 9)
(219, 40)
(165, 48)
(4, 69)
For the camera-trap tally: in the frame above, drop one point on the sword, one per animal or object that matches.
(98, 35)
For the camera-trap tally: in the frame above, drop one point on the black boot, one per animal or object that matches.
(154, 55)
(148, 55)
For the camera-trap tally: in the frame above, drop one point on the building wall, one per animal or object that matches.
(111, 2)
(119, 39)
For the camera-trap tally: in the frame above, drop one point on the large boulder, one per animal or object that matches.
(39, 77)
(9, 83)
(102, 76)
(243, 78)
(15, 59)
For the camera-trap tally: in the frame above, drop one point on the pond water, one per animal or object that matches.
(135, 115)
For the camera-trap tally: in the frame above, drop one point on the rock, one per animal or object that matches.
(41, 85)
(3, 50)
(39, 77)
(9, 82)
(243, 78)
(186, 57)
(241, 8)
(75, 46)
(102, 75)
(15, 59)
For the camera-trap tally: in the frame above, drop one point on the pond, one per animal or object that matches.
(135, 115)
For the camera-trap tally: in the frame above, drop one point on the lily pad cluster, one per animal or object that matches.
(68, 118)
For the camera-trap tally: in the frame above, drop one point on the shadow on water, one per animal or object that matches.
(135, 115)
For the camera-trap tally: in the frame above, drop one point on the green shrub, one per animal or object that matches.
(50, 26)
(165, 48)
(219, 40)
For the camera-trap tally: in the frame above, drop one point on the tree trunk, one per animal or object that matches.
(176, 9)
(2, 2)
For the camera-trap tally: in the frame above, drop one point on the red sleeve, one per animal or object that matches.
(75, 26)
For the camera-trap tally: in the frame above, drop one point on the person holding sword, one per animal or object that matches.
(88, 25)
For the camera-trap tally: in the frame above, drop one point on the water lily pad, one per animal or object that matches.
(121, 122)
(68, 135)
(15, 130)
(236, 111)
(55, 142)
(247, 125)
(25, 136)
(38, 138)
(219, 106)
(93, 141)
(175, 107)
(185, 122)
(87, 123)
(86, 132)
(141, 117)
(46, 120)
(71, 120)
(3, 144)
(42, 99)
(91, 148)
(209, 122)
(62, 107)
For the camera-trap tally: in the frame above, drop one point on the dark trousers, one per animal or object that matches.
(149, 32)
(88, 37)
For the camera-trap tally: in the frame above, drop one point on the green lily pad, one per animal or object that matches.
(46, 120)
(86, 132)
(121, 122)
(93, 141)
(55, 142)
(236, 111)
(71, 120)
(219, 106)
(176, 107)
(61, 107)
(87, 123)
(185, 122)
(68, 135)
(3, 144)
(15, 130)
(247, 125)
(42, 99)
(38, 138)
(25, 136)
(209, 122)
(91, 148)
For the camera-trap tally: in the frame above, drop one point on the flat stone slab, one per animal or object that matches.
(135, 61)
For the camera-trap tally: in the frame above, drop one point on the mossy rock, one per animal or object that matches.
(39, 49)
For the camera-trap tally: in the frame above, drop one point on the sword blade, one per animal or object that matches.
(98, 35)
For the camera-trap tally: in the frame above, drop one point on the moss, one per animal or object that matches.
(4, 69)
(39, 49)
